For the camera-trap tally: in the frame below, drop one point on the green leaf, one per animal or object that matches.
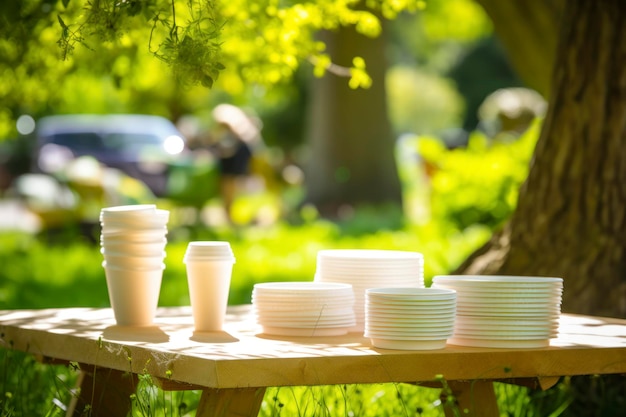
(65, 3)
(207, 81)
(62, 23)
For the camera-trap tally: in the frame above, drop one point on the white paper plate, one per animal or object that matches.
(381, 280)
(407, 335)
(505, 334)
(497, 278)
(305, 324)
(505, 322)
(410, 318)
(411, 309)
(297, 332)
(306, 317)
(367, 255)
(301, 288)
(401, 322)
(408, 344)
(414, 337)
(289, 303)
(506, 344)
(409, 294)
(509, 306)
(508, 327)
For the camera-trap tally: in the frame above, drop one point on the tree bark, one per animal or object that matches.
(571, 215)
(351, 141)
(529, 32)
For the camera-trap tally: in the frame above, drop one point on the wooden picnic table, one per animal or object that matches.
(234, 367)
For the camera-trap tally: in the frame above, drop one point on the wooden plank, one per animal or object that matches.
(239, 402)
(470, 399)
(102, 392)
(242, 357)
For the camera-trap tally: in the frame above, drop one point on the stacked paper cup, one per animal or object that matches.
(133, 240)
(209, 268)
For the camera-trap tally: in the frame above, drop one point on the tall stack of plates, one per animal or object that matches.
(369, 268)
(409, 318)
(504, 311)
(304, 308)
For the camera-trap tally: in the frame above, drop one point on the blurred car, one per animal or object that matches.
(144, 147)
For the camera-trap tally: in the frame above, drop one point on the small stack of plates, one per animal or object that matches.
(369, 268)
(304, 308)
(504, 311)
(409, 318)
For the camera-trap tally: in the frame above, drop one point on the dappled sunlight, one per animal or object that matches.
(241, 355)
(590, 331)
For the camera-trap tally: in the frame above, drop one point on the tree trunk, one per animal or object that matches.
(571, 216)
(351, 141)
(529, 32)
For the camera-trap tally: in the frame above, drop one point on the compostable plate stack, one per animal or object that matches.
(369, 268)
(504, 311)
(409, 318)
(304, 308)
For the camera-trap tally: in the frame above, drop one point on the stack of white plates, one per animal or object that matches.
(304, 308)
(409, 318)
(369, 268)
(504, 311)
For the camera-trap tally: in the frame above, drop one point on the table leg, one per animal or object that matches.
(233, 402)
(471, 399)
(103, 393)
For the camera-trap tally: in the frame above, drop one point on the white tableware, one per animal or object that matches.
(140, 249)
(304, 332)
(409, 318)
(209, 287)
(504, 311)
(369, 268)
(504, 344)
(395, 344)
(304, 308)
(133, 294)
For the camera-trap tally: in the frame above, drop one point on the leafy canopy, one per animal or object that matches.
(262, 41)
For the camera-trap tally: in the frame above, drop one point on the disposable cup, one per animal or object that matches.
(209, 248)
(188, 259)
(126, 211)
(152, 236)
(125, 260)
(140, 249)
(157, 219)
(209, 286)
(133, 294)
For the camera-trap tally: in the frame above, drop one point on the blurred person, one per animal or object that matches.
(237, 140)
(508, 112)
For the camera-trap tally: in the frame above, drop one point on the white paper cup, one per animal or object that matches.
(209, 286)
(128, 211)
(146, 236)
(139, 249)
(134, 294)
(157, 219)
(134, 261)
(209, 248)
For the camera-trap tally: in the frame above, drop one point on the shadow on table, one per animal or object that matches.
(213, 337)
(148, 334)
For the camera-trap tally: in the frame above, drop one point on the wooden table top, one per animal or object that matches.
(243, 357)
